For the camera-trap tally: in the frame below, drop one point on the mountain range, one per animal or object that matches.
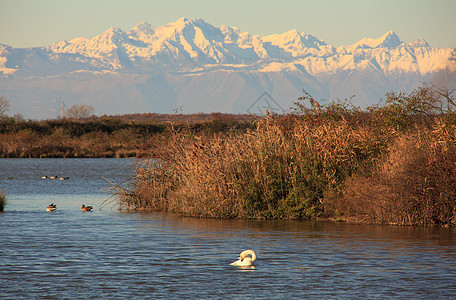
(194, 66)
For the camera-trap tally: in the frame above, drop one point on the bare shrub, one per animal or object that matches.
(81, 111)
(4, 106)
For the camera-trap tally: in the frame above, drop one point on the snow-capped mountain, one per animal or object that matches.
(202, 68)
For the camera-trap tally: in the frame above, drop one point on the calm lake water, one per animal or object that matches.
(68, 254)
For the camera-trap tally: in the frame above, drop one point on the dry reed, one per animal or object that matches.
(2, 201)
(415, 183)
(394, 164)
(280, 170)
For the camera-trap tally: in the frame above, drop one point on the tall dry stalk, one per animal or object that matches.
(2, 201)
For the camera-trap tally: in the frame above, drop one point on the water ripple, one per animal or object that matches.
(68, 254)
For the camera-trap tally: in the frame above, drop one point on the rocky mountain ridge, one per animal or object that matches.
(198, 67)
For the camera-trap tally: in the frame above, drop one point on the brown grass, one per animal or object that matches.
(414, 185)
(280, 170)
(394, 164)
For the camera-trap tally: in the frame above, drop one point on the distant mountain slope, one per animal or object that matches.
(201, 68)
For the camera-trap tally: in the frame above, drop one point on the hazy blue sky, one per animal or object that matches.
(29, 23)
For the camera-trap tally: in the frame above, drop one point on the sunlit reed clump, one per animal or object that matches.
(392, 164)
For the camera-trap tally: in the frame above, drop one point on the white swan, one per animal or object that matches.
(244, 260)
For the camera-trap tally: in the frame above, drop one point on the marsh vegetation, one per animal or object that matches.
(101, 137)
(390, 164)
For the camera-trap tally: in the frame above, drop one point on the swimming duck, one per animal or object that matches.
(54, 177)
(51, 207)
(244, 259)
(63, 178)
(86, 208)
(44, 177)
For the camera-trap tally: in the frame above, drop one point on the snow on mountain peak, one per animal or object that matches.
(112, 32)
(196, 64)
(420, 42)
(196, 41)
(143, 27)
(388, 40)
(182, 23)
(294, 43)
(182, 20)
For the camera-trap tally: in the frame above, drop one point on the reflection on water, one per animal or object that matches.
(108, 254)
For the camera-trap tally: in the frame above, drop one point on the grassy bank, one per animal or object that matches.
(393, 164)
(121, 136)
